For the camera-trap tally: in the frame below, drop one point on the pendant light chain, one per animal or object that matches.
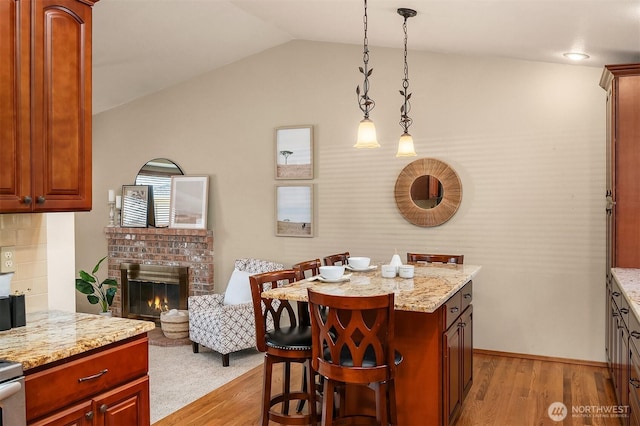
(364, 101)
(405, 120)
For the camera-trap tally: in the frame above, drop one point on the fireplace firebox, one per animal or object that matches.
(148, 290)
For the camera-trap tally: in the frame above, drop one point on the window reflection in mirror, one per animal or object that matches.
(157, 173)
(426, 191)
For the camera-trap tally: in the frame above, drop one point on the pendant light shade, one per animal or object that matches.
(367, 135)
(405, 146)
(366, 130)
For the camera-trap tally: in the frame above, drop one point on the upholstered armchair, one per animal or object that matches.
(225, 322)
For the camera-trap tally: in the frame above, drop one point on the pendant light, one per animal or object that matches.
(366, 130)
(405, 145)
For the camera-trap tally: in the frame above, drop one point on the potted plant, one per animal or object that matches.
(97, 292)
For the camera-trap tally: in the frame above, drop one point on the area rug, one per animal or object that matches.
(178, 377)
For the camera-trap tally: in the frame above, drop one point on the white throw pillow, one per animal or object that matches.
(238, 290)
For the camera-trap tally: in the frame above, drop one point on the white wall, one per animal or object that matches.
(526, 138)
(61, 258)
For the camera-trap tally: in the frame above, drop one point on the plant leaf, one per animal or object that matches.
(95, 268)
(93, 299)
(409, 96)
(401, 92)
(87, 277)
(84, 287)
(110, 282)
(370, 72)
(111, 292)
(361, 70)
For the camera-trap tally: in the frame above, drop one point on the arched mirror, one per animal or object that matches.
(157, 173)
(428, 192)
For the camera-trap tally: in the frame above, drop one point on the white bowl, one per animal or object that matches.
(359, 262)
(331, 272)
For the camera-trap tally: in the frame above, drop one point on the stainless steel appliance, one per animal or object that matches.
(13, 411)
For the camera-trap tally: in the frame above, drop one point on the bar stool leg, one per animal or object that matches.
(266, 391)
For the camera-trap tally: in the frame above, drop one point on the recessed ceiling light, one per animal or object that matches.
(576, 56)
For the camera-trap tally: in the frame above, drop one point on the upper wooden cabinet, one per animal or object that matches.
(622, 83)
(45, 105)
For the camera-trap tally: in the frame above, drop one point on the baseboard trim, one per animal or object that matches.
(541, 358)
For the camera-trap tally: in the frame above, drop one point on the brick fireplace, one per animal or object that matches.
(191, 248)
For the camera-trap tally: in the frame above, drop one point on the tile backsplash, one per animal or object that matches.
(28, 234)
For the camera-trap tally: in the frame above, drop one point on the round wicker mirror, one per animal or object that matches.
(437, 179)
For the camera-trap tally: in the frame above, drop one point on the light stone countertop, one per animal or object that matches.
(629, 280)
(431, 286)
(54, 335)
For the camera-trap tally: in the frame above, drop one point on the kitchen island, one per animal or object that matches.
(82, 367)
(433, 332)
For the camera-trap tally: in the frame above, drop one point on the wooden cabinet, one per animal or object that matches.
(45, 105)
(622, 83)
(93, 389)
(437, 370)
(458, 358)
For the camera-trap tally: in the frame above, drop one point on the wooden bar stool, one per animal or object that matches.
(353, 344)
(435, 258)
(337, 259)
(283, 340)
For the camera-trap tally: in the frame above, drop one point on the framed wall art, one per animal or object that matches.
(189, 202)
(294, 152)
(294, 210)
(137, 200)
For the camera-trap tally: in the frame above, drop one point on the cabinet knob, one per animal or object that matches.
(624, 310)
(634, 382)
(467, 296)
(40, 199)
(103, 408)
(27, 200)
(89, 415)
(615, 294)
(454, 309)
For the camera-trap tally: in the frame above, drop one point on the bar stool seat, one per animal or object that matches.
(284, 340)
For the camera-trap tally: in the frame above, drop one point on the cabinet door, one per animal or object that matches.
(125, 405)
(466, 339)
(451, 372)
(15, 179)
(61, 138)
(76, 415)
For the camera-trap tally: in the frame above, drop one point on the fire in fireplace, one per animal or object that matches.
(148, 290)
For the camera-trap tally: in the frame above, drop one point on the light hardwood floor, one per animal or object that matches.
(506, 391)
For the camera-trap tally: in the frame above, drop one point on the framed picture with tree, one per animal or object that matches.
(294, 152)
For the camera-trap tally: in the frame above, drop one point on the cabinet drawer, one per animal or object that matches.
(620, 302)
(50, 389)
(452, 309)
(467, 295)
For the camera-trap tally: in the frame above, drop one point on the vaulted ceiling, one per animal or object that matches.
(142, 46)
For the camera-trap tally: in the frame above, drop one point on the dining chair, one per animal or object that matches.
(435, 258)
(353, 344)
(336, 259)
(284, 340)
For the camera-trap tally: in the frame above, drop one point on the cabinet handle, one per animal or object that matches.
(27, 200)
(40, 199)
(634, 382)
(89, 415)
(624, 310)
(616, 294)
(467, 296)
(462, 324)
(614, 314)
(635, 334)
(454, 309)
(95, 376)
(103, 408)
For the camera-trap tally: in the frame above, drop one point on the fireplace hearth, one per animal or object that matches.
(148, 290)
